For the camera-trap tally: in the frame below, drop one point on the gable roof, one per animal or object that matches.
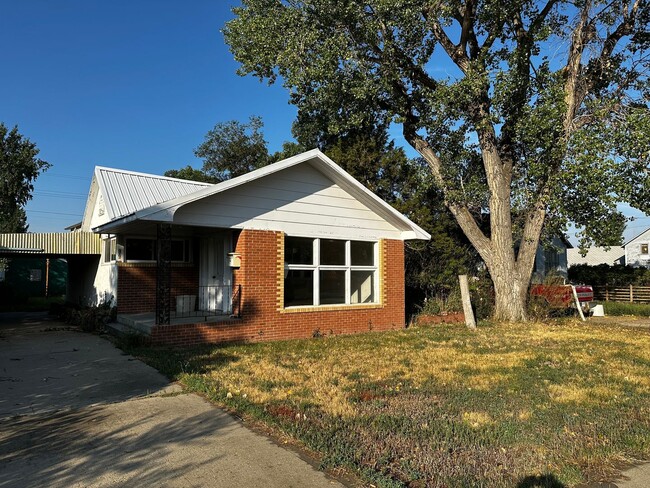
(637, 236)
(163, 210)
(127, 192)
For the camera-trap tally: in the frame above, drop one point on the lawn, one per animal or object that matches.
(507, 405)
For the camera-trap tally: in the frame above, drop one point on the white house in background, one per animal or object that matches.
(637, 252)
(597, 255)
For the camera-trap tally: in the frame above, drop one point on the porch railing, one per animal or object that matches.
(209, 301)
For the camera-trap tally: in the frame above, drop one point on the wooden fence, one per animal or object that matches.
(638, 294)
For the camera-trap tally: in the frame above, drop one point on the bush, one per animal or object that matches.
(626, 308)
(604, 274)
(90, 319)
(441, 304)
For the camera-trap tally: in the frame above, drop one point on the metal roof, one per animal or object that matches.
(126, 192)
(163, 211)
(51, 243)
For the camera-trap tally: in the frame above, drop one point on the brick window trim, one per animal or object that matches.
(381, 292)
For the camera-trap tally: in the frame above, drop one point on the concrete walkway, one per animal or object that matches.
(75, 411)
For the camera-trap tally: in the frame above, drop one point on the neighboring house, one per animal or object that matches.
(637, 252)
(551, 260)
(597, 255)
(294, 249)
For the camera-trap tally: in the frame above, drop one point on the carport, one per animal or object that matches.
(80, 249)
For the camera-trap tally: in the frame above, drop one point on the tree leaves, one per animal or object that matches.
(19, 168)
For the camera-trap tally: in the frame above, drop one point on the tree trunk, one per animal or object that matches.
(510, 298)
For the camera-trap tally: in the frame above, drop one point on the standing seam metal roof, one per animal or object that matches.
(126, 192)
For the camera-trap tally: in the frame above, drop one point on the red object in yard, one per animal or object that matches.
(561, 296)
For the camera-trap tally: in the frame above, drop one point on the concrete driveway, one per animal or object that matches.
(75, 411)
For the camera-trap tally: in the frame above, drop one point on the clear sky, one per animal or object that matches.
(127, 84)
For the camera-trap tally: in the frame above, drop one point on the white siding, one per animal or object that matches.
(299, 201)
(633, 255)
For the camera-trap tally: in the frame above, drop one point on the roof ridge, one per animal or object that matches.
(152, 176)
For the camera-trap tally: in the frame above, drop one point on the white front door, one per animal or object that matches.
(214, 274)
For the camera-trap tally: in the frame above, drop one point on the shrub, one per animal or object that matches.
(604, 274)
(92, 318)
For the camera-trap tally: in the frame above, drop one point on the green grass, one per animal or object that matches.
(507, 405)
(626, 308)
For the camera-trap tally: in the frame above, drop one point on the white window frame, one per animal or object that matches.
(316, 268)
(109, 249)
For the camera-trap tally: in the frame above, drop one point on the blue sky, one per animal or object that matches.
(128, 84)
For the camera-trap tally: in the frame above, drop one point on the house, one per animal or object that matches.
(637, 253)
(294, 249)
(551, 259)
(597, 255)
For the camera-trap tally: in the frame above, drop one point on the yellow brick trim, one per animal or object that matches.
(331, 308)
(382, 273)
(280, 268)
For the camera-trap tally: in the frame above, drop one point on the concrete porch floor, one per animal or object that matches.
(144, 322)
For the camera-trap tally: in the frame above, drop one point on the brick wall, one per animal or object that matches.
(263, 317)
(136, 285)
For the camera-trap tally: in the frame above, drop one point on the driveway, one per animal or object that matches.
(75, 411)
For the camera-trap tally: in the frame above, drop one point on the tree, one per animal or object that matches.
(539, 116)
(19, 168)
(233, 148)
(190, 173)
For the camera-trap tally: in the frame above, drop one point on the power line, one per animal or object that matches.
(53, 213)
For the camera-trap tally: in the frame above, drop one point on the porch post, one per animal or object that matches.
(164, 274)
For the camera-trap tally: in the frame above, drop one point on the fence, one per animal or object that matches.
(638, 294)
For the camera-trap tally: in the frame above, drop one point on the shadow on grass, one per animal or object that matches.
(541, 481)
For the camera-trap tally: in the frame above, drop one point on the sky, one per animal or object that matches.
(127, 84)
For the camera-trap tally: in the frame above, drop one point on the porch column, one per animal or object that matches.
(164, 274)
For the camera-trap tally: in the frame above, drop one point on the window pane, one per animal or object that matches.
(644, 249)
(363, 253)
(332, 287)
(178, 251)
(332, 252)
(140, 250)
(362, 287)
(299, 288)
(298, 250)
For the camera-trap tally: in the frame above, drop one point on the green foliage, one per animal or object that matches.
(543, 105)
(605, 274)
(233, 148)
(19, 168)
(189, 173)
(626, 308)
(91, 318)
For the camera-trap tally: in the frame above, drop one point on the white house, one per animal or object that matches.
(637, 252)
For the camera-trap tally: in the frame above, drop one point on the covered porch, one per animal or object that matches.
(171, 274)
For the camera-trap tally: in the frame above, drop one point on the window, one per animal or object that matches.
(110, 246)
(147, 250)
(644, 248)
(329, 272)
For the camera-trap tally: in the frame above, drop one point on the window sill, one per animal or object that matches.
(331, 308)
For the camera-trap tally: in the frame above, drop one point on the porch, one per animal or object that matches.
(143, 323)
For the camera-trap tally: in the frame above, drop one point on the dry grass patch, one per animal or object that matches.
(444, 406)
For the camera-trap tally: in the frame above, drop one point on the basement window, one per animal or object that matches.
(329, 272)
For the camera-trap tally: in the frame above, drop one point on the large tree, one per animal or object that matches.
(19, 168)
(233, 148)
(534, 114)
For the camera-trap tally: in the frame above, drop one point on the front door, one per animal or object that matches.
(214, 275)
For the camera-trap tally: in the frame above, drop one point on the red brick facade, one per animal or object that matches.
(136, 285)
(263, 317)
